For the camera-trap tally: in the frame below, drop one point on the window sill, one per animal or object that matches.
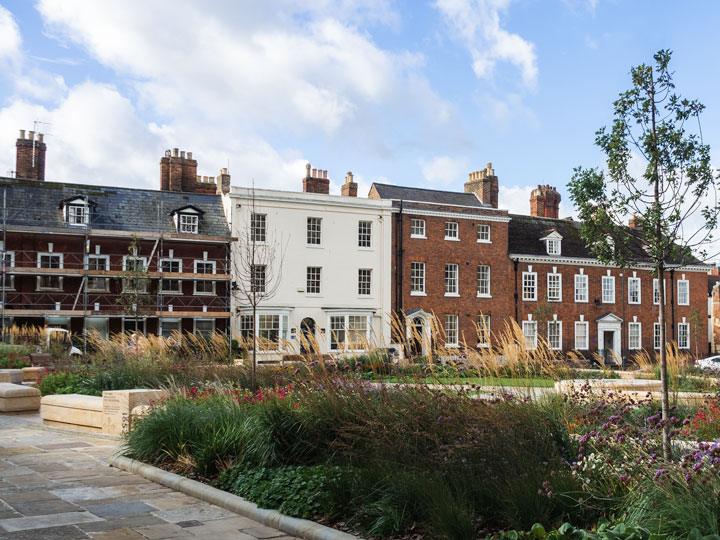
(554, 300)
(529, 299)
(360, 248)
(634, 303)
(608, 302)
(204, 293)
(418, 237)
(95, 291)
(314, 295)
(314, 246)
(48, 290)
(417, 293)
(483, 295)
(484, 241)
(483, 346)
(452, 295)
(450, 239)
(581, 301)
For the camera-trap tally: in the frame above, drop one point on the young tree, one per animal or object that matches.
(674, 198)
(257, 268)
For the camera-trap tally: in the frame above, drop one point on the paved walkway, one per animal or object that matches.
(56, 484)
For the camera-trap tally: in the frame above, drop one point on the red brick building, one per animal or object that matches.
(463, 263)
(113, 259)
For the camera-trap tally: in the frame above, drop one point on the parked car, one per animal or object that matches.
(711, 363)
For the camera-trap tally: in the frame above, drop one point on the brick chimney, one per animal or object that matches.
(635, 222)
(178, 171)
(545, 202)
(484, 184)
(316, 181)
(30, 159)
(349, 188)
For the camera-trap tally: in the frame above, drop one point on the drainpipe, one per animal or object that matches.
(672, 303)
(515, 267)
(401, 263)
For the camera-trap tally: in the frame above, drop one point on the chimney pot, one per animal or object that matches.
(40, 137)
(223, 170)
(314, 173)
(307, 169)
(22, 133)
(31, 135)
(189, 155)
(175, 152)
(182, 154)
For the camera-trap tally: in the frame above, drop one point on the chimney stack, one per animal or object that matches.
(316, 181)
(177, 172)
(545, 202)
(484, 184)
(349, 188)
(30, 157)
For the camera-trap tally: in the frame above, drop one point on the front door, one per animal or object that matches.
(608, 339)
(417, 337)
(307, 337)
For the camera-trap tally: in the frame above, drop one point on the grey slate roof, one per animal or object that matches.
(525, 233)
(387, 191)
(38, 204)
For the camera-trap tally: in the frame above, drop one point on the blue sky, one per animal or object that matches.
(413, 93)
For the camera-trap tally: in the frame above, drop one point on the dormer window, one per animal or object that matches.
(77, 211)
(187, 220)
(189, 223)
(552, 240)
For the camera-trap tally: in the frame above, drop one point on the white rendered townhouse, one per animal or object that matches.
(334, 255)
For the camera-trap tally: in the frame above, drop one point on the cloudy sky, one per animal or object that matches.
(410, 92)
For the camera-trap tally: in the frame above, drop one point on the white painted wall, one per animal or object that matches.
(338, 255)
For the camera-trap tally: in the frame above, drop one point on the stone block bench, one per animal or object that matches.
(14, 376)
(73, 410)
(18, 398)
(32, 374)
(615, 385)
(110, 414)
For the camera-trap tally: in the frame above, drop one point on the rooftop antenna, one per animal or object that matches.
(35, 127)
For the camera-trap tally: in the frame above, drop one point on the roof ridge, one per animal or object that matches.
(35, 183)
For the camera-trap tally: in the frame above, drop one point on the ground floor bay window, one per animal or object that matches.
(349, 331)
(272, 329)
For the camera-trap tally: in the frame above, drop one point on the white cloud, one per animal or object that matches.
(444, 170)
(9, 36)
(477, 25)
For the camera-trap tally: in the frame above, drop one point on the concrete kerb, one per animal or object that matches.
(271, 518)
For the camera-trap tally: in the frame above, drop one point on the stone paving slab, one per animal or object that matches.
(57, 485)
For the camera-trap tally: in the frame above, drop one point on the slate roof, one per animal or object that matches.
(32, 203)
(388, 191)
(525, 233)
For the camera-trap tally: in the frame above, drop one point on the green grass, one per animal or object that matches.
(480, 381)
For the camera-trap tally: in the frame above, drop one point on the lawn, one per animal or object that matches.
(479, 381)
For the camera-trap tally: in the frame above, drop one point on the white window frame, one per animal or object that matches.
(417, 225)
(91, 283)
(317, 291)
(196, 281)
(365, 236)
(557, 290)
(258, 228)
(656, 291)
(365, 282)
(555, 346)
(141, 321)
(656, 336)
(634, 339)
(73, 211)
(39, 265)
(202, 333)
(530, 337)
(483, 281)
(452, 279)
(256, 286)
(483, 330)
(162, 280)
(686, 293)
(529, 295)
(581, 285)
(313, 231)
(638, 283)
(582, 345)
(483, 234)
(142, 281)
(452, 231)
(452, 330)
(188, 223)
(611, 280)
(165, 320)
(683, 335)
(334, 343)
(553, 246)
(283, 326)
(417, 278)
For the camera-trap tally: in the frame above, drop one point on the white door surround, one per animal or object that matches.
(610, 323)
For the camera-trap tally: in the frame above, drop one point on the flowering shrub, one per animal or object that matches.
(14, 361)
(706, 423)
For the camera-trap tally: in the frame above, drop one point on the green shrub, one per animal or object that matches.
(64, 382)
(299, 491)
(606, 531)
(13, 361)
